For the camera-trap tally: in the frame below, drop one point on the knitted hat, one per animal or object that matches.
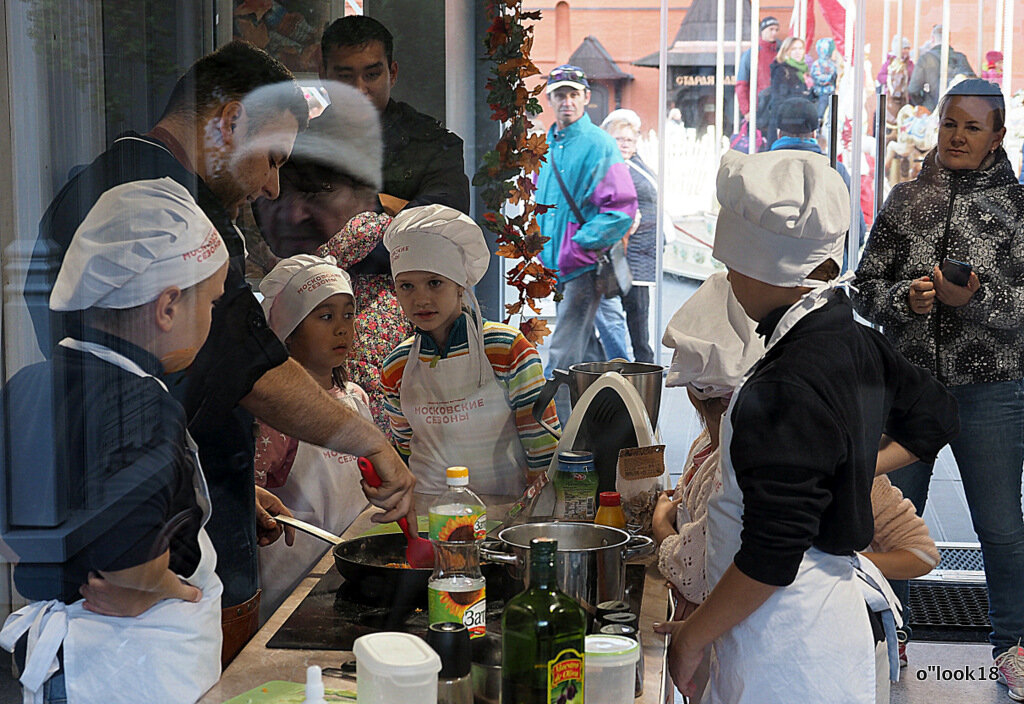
(767, 22)
(138, 239)
(797, 116)
(783, 213)
(346, 137)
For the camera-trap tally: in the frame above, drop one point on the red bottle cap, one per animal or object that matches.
(609, 498)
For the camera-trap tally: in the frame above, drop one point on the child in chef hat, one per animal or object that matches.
(715, 344)
(799, 446)
(461, 389)
(141, 275)
(310, 306)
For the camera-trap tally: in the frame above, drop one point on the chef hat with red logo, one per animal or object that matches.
(296, 286)
(139, 239)
(440, 240)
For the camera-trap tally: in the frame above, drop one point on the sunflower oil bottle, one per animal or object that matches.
(458, 522)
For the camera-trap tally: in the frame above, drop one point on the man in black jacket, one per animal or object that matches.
(229, 125)
(924, 83)
(423, 161)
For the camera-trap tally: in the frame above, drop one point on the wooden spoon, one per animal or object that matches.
(418, 552)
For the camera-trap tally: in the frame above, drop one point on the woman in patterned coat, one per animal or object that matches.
(965, 205)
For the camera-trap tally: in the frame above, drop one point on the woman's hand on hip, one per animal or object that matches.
(951, 294)
(921, 297)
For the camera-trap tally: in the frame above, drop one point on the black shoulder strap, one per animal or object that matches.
(565, 191)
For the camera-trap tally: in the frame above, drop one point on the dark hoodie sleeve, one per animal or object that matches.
(784, 451)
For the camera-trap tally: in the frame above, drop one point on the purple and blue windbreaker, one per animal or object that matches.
(599, 181)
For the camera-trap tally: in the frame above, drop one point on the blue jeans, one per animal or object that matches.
(611, 325)
(989, 453)
(573, 331)
(54, 691)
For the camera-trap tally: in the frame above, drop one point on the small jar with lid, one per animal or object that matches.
(610, 511)
(575, 486)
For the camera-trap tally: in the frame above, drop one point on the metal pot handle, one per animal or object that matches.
(547, 393)
(499, 556)
(638, 546)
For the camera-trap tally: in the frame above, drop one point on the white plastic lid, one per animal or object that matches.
(396, 656)
(609, 651)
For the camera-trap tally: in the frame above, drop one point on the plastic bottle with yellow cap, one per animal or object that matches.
(456, 590)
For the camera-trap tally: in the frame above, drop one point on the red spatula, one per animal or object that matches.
(419, 552)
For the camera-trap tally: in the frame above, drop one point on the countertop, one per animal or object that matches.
(257, 664)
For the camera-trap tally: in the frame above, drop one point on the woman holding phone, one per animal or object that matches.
(964, 214)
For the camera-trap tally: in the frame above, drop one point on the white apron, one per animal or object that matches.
(786, 651)
(461, 415)
(168, 655)
(322, 488)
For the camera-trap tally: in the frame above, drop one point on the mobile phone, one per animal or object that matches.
(955, 272)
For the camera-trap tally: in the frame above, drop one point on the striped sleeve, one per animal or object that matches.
(517, 366)
(391, 387)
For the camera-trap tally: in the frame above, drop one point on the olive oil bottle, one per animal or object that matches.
(543, 638)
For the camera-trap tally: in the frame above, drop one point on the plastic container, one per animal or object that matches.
(610, 669)
(610, 511)
(395, 667)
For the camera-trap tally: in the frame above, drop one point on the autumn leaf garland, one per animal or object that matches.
(506, 176)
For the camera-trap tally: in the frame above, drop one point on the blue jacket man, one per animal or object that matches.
(598, 181)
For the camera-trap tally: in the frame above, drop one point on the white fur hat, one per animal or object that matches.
(783, 213)
(714, 341)
(138, 239)
(624, 114)
(345, 137)
(296, 286)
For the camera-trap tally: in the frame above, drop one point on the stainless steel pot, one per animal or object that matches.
(645, 378)
(591, 562)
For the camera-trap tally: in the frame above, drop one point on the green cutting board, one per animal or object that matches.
(278, 692)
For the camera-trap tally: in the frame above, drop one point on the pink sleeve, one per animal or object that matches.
(275, 453)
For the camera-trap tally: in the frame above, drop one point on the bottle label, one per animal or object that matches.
(466, 607)
(462, 528)
(565, 678)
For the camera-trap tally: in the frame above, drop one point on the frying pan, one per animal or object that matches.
(366, 563)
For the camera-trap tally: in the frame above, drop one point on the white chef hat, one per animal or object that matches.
(443, 241)
(440, 240)
(139, 239)
(714, 341)
(783, 213)
(296, 286)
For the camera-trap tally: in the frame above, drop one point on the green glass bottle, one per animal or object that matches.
(543, 638)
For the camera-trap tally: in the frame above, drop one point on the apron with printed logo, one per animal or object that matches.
(323, 489)
(800, 620)
(460, 415)
(168, 655)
